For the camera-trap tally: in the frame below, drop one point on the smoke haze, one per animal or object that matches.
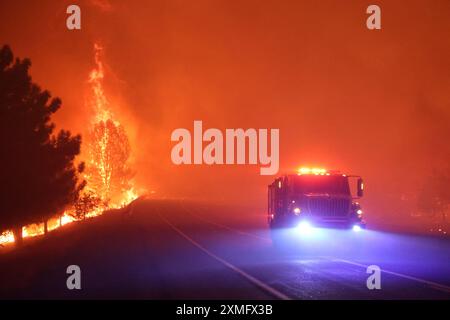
(373, 103)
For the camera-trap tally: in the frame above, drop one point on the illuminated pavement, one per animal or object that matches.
(179, 250)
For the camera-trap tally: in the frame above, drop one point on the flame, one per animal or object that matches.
(66, 219)
(129, 196)
(108, 175)
(54, 223)
(96, 76)
(33, 230)
(103, 114)
(6, 237)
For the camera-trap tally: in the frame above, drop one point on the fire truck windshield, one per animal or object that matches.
(305, 184)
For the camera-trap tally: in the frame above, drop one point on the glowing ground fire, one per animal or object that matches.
(108, 174)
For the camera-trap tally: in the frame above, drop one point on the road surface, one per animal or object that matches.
(184, 250)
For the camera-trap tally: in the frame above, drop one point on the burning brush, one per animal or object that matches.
(108, 173)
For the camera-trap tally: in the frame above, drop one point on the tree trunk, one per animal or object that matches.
(18, 239)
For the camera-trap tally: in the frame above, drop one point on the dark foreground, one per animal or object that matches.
(179, 250)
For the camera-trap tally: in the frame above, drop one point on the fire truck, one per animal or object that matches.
(316, 198)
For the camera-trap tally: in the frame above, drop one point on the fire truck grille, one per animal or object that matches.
(329, 207)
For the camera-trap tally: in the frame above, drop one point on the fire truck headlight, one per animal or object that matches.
(305, 227)
(356, 228)
(297, 211)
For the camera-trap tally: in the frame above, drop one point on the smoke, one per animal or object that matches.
(103, 5)
(373, 103)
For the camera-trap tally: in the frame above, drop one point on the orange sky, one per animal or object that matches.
(374, 103)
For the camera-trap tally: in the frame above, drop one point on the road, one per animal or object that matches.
(184, 250)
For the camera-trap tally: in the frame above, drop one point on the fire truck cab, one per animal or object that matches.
(315, 198)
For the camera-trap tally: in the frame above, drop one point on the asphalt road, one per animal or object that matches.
(183, 250)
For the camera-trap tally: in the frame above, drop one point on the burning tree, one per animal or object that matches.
(37, 168)
(108, 173)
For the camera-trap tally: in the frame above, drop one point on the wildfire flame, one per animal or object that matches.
(96, 76)
(108, 174)
(6, 237)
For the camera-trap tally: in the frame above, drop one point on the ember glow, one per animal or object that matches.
(108, 174)
(33, 230)
(6, 237)
(66, 219)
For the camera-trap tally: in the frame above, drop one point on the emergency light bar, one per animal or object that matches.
(316, 171)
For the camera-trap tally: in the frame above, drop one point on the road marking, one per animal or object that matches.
(244, 274)
(226, 227)
(432, 284)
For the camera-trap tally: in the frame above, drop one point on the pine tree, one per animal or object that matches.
(38, 174)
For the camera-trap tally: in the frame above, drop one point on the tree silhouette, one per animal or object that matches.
(86, 203)
(434, 196)
(37, 170)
